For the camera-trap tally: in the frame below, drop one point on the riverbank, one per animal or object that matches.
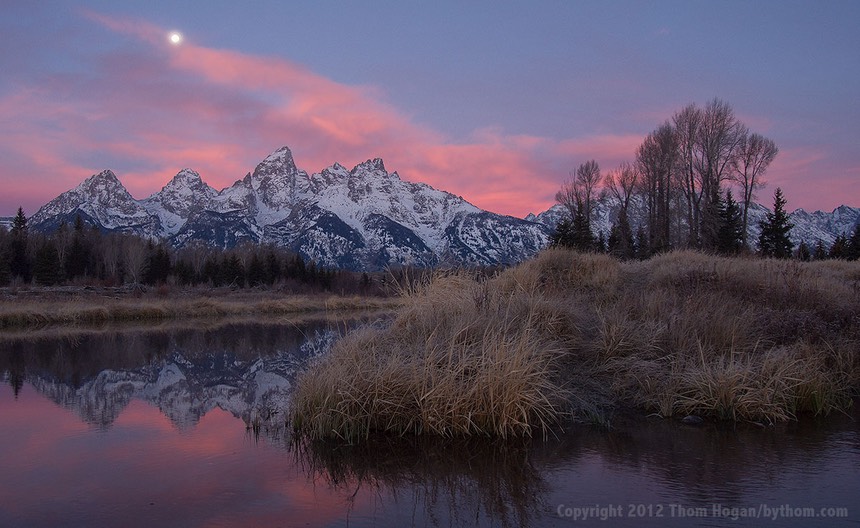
(23, 309)
(575, 336)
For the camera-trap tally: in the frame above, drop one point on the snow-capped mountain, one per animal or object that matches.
(364, 218)
(808, 227)
(100, 200)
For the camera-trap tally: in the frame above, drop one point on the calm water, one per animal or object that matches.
(180, 427)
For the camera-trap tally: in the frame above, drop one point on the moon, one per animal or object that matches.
(175, 38)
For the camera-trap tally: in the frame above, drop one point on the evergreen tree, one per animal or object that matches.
(575, 233)
(803, 252)
(561, 236)
(47, 270)
(730, 233)
(256, 271)
(774, 240)
(19, 263)
(233, 271)
(19, 224)
(158, 265)
(212, 271)
(621, 243)
(581, 236)
(643, 247)
(184, 272)
(839, 249)
(5, 274)
(77, 256)
(600, 244)
(820, 253)
(273, 268)
(853, 249)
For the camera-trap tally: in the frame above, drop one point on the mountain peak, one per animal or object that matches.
(105, 186)
(185, 193)
(279, 161)
(371, 165)
(186, 178)
(187, 173)
(106, 175)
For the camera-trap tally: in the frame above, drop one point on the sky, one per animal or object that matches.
(495, 101)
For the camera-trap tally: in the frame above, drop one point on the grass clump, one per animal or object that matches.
(577, 335)
(454, 362)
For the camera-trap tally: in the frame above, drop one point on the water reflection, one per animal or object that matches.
(447, 481)
(244, 368)
(171, 426)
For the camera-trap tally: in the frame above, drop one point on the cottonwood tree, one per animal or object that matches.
(717, 141)
(656, 160)
(754, 155)
(621, 184)
(687, 123)
(578, 195)
(580, 191)
(134, 258)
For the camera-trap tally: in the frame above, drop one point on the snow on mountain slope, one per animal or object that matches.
(103, 200)
(364, 218)
(808, 227)
(185, 195)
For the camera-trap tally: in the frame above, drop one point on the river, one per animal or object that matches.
(177, 426)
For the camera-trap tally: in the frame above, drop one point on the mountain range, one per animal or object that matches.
(363, 218)
(808, 227)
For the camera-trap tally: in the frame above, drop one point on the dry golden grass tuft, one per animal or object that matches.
(452, 363)
(570, 334)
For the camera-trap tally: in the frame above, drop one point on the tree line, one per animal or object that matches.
(81, 254)
(683, 177)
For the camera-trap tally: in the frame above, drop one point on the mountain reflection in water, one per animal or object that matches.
(185, 427)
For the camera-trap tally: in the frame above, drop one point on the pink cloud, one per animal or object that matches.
(147, 114)
(808, 177)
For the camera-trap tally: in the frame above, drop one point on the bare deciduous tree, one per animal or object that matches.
(134, 253)
(657, 161)
(718, 137)
(580, 191)
(621, 184)
(687, 123)
(755, 153)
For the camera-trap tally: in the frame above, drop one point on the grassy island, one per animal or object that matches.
(578, 336)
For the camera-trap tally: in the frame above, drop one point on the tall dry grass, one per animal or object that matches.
(93, 309)
(570, 334)
(452, 363)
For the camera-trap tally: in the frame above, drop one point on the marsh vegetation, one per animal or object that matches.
(25, 309)
(576, 336)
